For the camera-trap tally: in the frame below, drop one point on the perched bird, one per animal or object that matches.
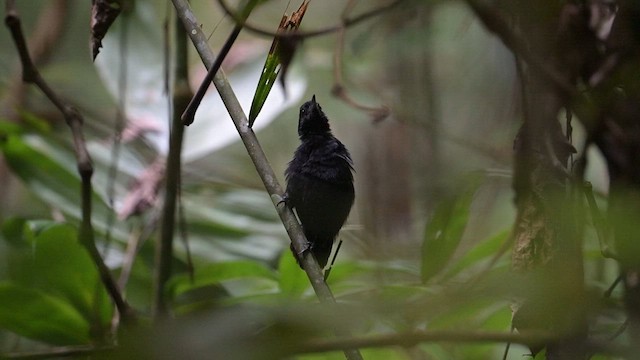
(319, 182)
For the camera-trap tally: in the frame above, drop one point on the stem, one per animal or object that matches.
(164, 249)
(190, 111)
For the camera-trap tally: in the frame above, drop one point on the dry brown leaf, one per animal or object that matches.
(103, 14)
(286, 47)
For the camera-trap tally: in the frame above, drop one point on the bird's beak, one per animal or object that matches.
(313, 99)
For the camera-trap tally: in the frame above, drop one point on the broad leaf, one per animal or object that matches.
(218, 273)
(228, 230)
(36, 315)
(53, 261)
(49, 170)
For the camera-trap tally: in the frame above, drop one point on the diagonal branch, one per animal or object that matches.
(259, 159)
(74, 120)
(190, 111)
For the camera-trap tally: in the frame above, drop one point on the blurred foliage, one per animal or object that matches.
(247, 298)
(444, 231)
(52, 291)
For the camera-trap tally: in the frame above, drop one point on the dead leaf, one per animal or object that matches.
(103, 14)
(286, 47)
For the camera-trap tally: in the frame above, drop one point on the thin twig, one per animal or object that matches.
(119, 123)
(118, 128)
(308, 34)
(190, 112)
(64, 351)
(599, 223)
(508, 346)
(164, 249)
(260, 161)
(74, 120)
(44, 37)
(616, 282)
(620, 330)
(338, 89)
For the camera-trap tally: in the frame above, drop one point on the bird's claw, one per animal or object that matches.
(299, 254)
(307, 247)
(284, 199)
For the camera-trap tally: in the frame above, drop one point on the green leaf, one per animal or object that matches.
(444, 232)
(268, 77)
(51, 182)
(13, 230)
(35, 122)
(239, 234)
(218, 273)
(9, 128)
(49, 171)
(293, 280)
(53, 261)
(36, 315)
(50, 174)
(279, 58)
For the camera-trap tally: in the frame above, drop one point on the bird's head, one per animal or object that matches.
(312, 120)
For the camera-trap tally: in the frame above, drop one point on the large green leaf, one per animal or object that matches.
(218, 273)
(52, 260)
(223, 229)
(48, 179)
(36, 315)
(49, 170)
(444, 232)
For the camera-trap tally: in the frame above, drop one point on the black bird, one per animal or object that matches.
(319, 182)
